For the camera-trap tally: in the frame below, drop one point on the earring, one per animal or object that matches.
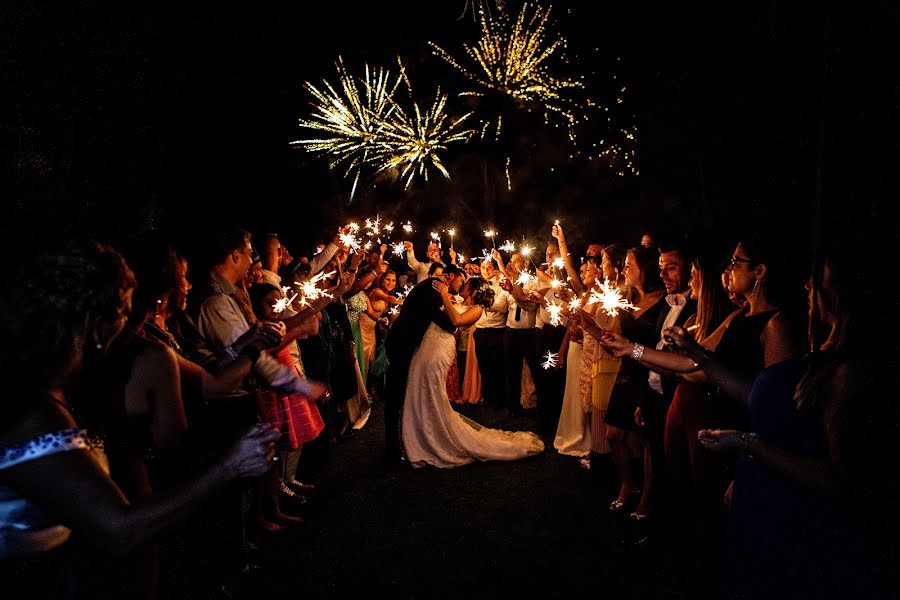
(99, 346)
(755, 287)
(156, 311)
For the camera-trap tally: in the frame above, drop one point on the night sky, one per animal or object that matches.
(117, 118)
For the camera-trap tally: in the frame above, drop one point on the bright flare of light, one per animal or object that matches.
(389, 227)
(525, 278)
(394, 310)
(526, 251)
(310, 289)
(555, 311)
(489, 233)
(398, 249)
(283, 303)
(460, 258)
(515, 58)
(350, 118)
(558, 263)
(486, 255)
(550, 360)
(411, 142)
(574, 304)
(610, 298)
(407, 227)
(555, 283)
(350, 241)
(435, 236)
(508, 246)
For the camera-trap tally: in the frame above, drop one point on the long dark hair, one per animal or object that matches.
(483, 293)
(713, 305)
(648, 262)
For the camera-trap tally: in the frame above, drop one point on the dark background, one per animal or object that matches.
(119, 118)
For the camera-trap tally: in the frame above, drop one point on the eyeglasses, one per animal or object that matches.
(737, 259)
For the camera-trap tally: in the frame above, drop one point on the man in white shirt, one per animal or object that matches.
(519, 341)
(421, 268)
(488, 338)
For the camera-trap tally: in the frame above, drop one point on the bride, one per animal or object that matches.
(432, 432)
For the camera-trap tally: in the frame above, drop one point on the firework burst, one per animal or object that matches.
(350, 116)
(515, 58)
(411, 143)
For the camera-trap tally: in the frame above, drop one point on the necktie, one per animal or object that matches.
(518, 312)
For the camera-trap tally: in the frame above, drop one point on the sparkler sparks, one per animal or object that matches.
(508, 246)
(526, 251)
(283, 303)
(525, 278)
(310, 289)
(574, 304)
(398, 249)
(558, 263)
(550, 360)
(555, 311)
(407, 227)
(350, 241)
(489, 233)
(610, 298)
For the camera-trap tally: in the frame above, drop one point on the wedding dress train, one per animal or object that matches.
(432, 432)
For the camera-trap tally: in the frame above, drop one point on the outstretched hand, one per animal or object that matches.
(616, 344)
(251, 456)
(719, 440)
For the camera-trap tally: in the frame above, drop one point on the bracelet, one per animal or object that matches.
(251, 352)
(637, 353)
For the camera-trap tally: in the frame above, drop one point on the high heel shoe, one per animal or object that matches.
(618, 505)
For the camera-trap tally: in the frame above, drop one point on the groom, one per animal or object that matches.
(421, 308)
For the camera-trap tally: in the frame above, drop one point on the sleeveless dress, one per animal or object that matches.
(24, 527)
(433, 433)
(471, 387)
(293, 415)
(356, 307)
(573, 435)
(631, 377)
(785, 540)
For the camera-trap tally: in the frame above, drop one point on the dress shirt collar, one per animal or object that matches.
(221, 284)
(676, 299)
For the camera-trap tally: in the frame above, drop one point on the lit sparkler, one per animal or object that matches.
(460, 258)
(283, 303)
(555, 311)
(526, 251)
(389, 227)
(525, 278)
(350, 241)
(451, 233)
(555, 283)
(310, 289)
(610, 298)
(398, 249)
(486, 255)
(574, 304)
(550, 360)
(508, 246)
(407, 227)
(558, 263)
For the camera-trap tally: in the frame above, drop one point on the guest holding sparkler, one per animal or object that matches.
(53, 476)
(813, 509)
(645, 291)
(421, 268)
(488, 340)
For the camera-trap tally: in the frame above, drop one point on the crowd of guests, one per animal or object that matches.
(747, 426)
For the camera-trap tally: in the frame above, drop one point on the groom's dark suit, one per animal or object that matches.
(421, 308)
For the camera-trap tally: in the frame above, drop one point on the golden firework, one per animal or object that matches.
(351, 114)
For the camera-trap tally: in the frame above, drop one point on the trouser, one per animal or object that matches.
(489, 353)
(550, 383)
(394, 394)
(518, 345)
(461, 367)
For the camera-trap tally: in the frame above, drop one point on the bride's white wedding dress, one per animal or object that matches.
(435, 434)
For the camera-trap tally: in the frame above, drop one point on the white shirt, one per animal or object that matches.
(676, 303)
(527, 315)
(221, 323)
(420, 268)
(543, 317)
(494, 316)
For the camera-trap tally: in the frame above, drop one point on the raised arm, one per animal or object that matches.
(571, 271)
